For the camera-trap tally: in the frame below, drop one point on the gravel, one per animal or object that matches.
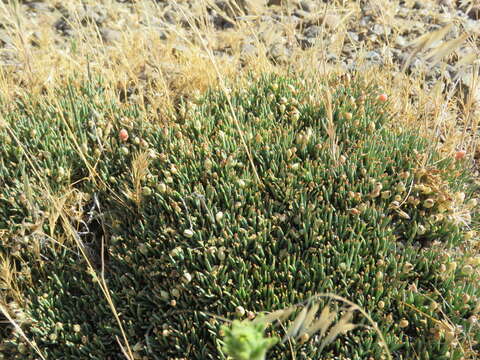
(314, 23)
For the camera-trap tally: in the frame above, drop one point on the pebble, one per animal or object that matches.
(381, 30)
(110, 36)
(373, 56)
(279, 53)
(401, 41)
(308, 6)
(5, 38)
(313, 31)
(248, 50)
(353, 36)
(38, 6)
(331, 21)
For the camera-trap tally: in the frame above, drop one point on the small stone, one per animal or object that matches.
(353, 36)
(418, 5)
(448, 3)
(381, 30)
(305, 42)
(306, 5)
(110, 36)
(331, 21)
(62, 25)
(373, 56)
(313, 31)
(94, 14)
(279, 52)
(365, 21)
(401, 41)
(248, 50)
(38, 6)
(302, 14)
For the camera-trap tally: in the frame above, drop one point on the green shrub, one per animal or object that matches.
(343, 209)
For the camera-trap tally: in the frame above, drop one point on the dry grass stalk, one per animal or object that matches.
(140, 163)
(330, 128)
(19, 330)
(425, 41)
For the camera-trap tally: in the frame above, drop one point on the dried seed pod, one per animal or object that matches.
(186, 277)
(400, 188)
(405, 175)
(386, 194)
(451, 266)
(429, 203)
(460, 197)
(354, 211)
(188, 233)
(394, 204)
(421, 229)
(407, 267)
(239, 311)
(471, 203)
(403, 323)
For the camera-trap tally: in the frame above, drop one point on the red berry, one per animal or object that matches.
(460, 154)
(383, 97)
(123, 135)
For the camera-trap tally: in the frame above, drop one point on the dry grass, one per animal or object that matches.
(159, 72)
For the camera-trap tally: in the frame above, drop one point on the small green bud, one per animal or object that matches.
(245, 340)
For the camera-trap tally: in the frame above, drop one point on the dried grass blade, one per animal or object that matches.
(293, 330)
(276, 315)
(425, 41)
(466, 60)
(309, 318)
(323, 323)
(4, 311)
(341, 327)
(445, 49)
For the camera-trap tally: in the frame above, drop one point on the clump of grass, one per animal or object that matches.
(347, 204)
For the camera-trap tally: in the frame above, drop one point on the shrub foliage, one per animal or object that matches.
(287, 196)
